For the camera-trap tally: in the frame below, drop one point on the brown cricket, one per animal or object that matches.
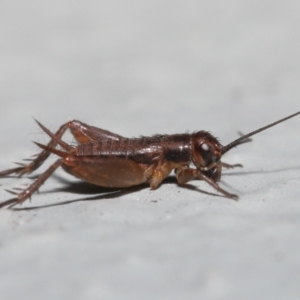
(110, 160)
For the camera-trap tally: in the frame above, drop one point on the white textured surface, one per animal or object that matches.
(141, 68)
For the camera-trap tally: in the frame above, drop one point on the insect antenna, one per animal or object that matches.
(245, 138)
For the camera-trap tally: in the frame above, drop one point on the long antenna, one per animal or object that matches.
(245, 137)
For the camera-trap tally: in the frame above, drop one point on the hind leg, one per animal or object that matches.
(22, 195)
(83, 133)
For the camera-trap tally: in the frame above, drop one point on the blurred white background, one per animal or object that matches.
(142, 68)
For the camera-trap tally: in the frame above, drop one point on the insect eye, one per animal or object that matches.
(205, 147)
(208, 152)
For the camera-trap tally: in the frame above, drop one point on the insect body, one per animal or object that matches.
(110, 160)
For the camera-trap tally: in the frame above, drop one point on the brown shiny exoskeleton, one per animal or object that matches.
(110, 160)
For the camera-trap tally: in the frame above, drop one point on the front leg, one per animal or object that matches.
(187, 174)
(215, 173)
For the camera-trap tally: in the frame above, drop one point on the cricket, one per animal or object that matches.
(107, 159)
